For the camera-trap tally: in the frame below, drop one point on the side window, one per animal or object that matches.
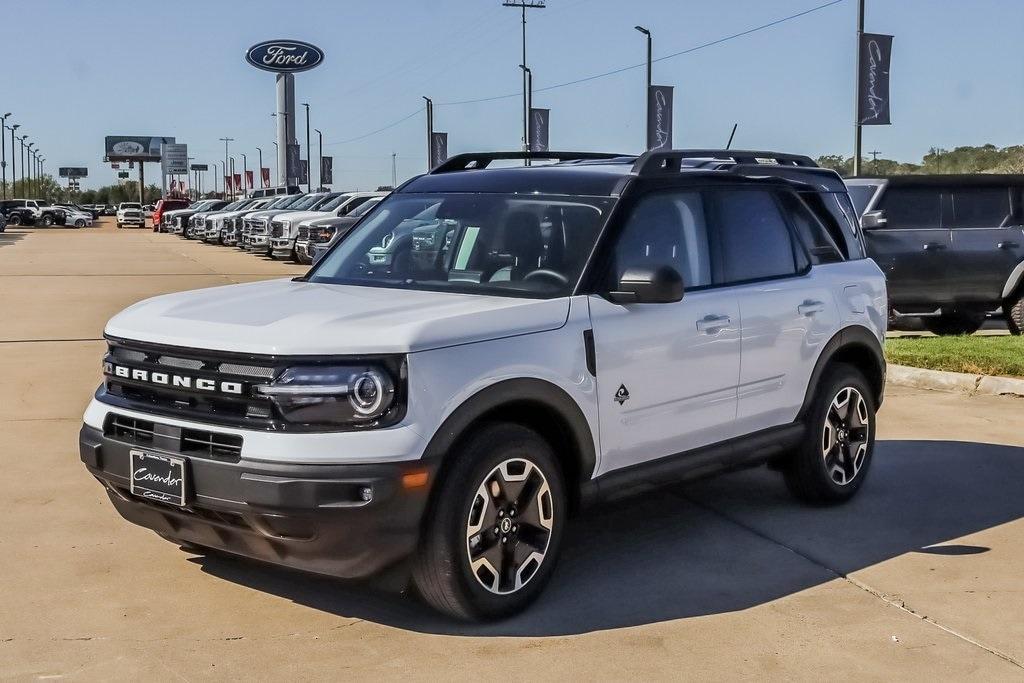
(666, 228)
(912, 207)
(861, 196)
(980, 207)
(754, 241)
(821, 246)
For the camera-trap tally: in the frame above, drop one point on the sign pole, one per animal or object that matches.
(856, 107)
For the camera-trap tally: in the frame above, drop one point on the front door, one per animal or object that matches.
(666, 373)
(987, 243)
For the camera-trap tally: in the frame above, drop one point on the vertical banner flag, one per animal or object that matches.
(303, 171)
(438, 149)
(659, 117)
(539, 119)
(248, 179)
(265, 176)
(326, 170)
(873, 98)
(238, 181)
(292, 163)
(227, 183)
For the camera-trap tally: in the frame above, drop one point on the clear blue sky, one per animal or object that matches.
(75, 71)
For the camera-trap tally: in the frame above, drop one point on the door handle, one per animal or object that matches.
(934, 246)
(810, 307)
(710, 324)
(1007, 245)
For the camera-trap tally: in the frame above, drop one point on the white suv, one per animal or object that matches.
(491, 350)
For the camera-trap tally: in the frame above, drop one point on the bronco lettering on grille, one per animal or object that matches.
(172, 380)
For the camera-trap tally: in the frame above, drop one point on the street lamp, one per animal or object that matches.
(245, 168)
(320, 136)
(226, 141)
(529, 106)
(309, 170)
(430, 131)
(28, 158)
(14, 166)
(647, 96)
(261, 166)
(277, 158)
(3, 152)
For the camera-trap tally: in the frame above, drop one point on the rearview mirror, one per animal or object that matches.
(873, 219)
(647, 285)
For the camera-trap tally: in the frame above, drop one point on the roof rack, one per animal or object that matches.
(479, 160)
(651, 163)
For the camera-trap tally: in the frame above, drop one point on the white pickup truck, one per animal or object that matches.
(130, 214)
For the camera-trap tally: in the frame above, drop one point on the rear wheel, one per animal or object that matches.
(1013, 309)
(830, 466)
(47, 220)
(80, 223)
(495, 530)
(14, 219)
(954, 323)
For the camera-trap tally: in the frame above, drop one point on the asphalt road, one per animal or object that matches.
(729, 578)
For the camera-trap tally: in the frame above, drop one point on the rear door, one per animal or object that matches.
(912, 248)
(987, 241)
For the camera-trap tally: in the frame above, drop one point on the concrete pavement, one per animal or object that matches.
(727, 579)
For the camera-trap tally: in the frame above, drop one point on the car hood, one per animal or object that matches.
(296, 217)
(284, 317)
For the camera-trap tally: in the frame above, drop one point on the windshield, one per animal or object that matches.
(128, 205)
(319, 206)
(336, 202)
(306, 202)
(233, 205)
(283, 202)
(861, 196)
(365, 208)
(507, 245)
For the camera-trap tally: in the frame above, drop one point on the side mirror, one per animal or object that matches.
(647, 285)
(873, 219)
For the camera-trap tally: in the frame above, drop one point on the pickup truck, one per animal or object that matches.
(130, 214)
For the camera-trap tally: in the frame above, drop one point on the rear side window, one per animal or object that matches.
(820, 244)
(753, 239)
(861, 196)
(980, 207)
(912, 207)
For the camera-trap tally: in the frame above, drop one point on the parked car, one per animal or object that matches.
(3, 222)
(324, 233)
(164, 205)
(444, 404)
(177, 220)
(75, 216)
(109, 210)
(31, 212)
(258, 238)
(219, 223)
(274, 191)
(297, 227)
(951, 246)
(197, 223)
(261, 219)
(147, 210)
(130, 214)
(233, 227)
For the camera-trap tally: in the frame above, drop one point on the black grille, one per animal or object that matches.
(277, 229)
(303, 232)
(198, 443)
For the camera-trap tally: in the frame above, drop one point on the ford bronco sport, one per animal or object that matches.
(492, 349)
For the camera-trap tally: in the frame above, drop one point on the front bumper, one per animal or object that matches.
(257, 242)
(282, 246)
(304, 250)
(132, 220)
(310, 517)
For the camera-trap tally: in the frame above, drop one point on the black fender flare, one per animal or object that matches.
(855, 341)
(512, 394)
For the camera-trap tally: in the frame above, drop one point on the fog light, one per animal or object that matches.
(366, 493)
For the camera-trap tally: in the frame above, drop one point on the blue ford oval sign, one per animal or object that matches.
(284, 56)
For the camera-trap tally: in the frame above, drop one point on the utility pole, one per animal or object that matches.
(309, 153)
(647, 92)
(856, 95)
(320, 137)
(394, 170)
(3, 152)
(226, 141)
(430, 132)
(525, 5)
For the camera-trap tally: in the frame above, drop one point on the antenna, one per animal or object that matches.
(732, 135)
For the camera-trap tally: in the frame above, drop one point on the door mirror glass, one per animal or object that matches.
(873, 219)
(648, 285)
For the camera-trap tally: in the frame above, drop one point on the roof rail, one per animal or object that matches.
(670, 161)
(479, 160)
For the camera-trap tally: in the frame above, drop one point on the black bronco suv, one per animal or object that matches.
(951, 246)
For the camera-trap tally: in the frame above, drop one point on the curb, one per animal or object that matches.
(939, 380)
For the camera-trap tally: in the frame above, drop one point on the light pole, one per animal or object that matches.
(245, 174)
(3, 152)
(309, 153)
(320, 137)
(223, 175)
(529, 105)
(647, 92)
(430, 132)
(28, 158)
(394, 170)
(14, 166)
(277, 152)
(261, 166)
(524, 5)
(226, 141)
(857, 129)
(21, 179)
(231, 172)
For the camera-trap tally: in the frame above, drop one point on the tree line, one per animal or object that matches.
(981, 159)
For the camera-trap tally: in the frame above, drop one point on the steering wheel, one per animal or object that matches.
(547, 274)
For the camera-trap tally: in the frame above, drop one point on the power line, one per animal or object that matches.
(711, 43)
(379, 130)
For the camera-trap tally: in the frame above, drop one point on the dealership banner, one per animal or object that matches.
(326, 170)
(238, 181)
(227, 183)
(438, 149)
(265, 176)
(134, 147)
(873, 98)
(539, 119)
(303, 171)
(659, 117)
(248, 179)
(291, 168)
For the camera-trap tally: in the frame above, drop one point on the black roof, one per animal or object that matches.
(606, 174)
(944, 179)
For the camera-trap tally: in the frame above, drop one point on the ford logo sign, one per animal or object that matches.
(284, 56)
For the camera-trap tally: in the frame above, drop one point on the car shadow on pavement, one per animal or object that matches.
(713, 546)
(9, 238)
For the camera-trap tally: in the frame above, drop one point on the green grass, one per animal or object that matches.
(988, 355)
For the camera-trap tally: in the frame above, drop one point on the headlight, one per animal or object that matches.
(322, 234)
(353, 395)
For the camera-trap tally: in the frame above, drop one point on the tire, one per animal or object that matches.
(954, 323)
(472, 496)
(832, 463)
(47, 221)
(79, 223)
(119, 226)
(1013, 309)
(14, 219)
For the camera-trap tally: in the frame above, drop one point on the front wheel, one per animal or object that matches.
(79, 223)
(830, 465)
(1013, 309)
(495, 530)
(47, 220)
(14, 219)
(954, 323)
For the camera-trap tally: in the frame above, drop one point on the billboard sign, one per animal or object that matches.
(72, 172)
(174, 158)
(199, 167)
(284, 56)
(134, 147)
